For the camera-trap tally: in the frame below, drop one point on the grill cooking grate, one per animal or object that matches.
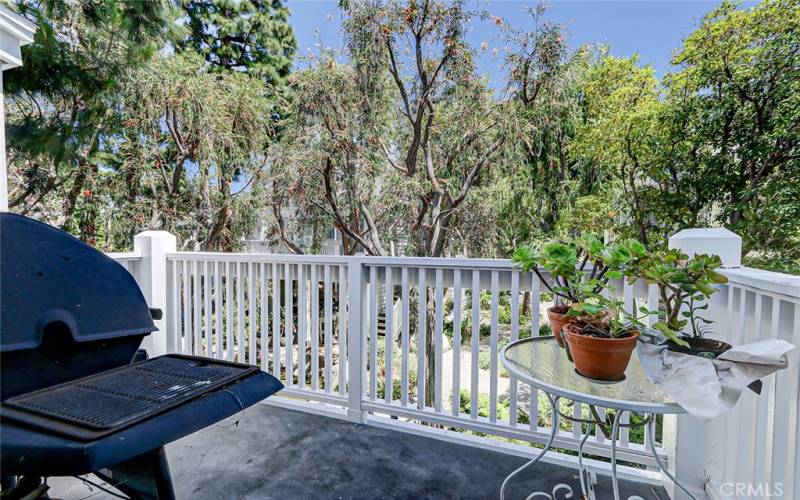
(116, 398)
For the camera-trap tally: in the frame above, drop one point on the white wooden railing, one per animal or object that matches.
(312, 321)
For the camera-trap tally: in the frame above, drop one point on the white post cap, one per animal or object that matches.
(713, 241)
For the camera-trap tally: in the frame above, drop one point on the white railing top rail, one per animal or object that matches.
(776, 283)
(786, 285)
(125, 255)
(432, 262)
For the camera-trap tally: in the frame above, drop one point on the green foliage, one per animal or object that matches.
(738, 105)
(397, 389)
(565, 263)
(60, 104)
(590, 214)
(388, 148)
(483, 407)
(684, 286)
(250, 36)
(484, 360)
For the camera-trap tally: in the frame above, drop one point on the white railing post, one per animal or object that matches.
(151, 275)
(686, 439)
(355, 341)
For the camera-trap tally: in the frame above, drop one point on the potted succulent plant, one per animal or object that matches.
(601, 335)
(576, 270)
(684, 286)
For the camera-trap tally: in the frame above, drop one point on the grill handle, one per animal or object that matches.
(156, 313)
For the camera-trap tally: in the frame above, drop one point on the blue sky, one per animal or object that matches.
(654, 29)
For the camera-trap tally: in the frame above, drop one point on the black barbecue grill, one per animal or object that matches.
(72, 399)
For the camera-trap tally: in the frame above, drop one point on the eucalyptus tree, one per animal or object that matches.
(446, 130)
(328, 169)
(192, 149)
(544, 82)
(60, 102)
(622, 133)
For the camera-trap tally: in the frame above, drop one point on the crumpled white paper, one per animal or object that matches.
(707, 388)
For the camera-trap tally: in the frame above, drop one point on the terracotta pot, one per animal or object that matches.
(599, 358)
(557, 322)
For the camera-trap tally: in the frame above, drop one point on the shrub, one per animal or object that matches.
(483, 408)
(504, 314)
(484, 360)
(545, 330)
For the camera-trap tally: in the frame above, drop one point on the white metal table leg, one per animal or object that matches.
(651, 438)
(614, 432)
(587, 477)
(553, 432)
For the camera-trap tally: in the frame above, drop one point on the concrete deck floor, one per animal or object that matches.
(281, 454)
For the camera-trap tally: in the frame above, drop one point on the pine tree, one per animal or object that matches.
(251, 36)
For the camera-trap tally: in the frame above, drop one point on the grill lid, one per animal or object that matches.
(51, 278)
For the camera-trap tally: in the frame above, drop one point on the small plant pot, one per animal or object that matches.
(600, 358)
(556, 315)
(702, 347)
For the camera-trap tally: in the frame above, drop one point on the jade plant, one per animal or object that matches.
(684, 286)
(580, 268)
(604, 316)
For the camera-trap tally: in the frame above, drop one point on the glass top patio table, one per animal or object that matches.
(540, 362)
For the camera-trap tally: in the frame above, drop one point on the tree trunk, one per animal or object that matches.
(430, 349)
(213, 242)
(526, 305)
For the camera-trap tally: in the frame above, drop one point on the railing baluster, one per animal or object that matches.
(229, 311)
(422, 325)
(373, 332)
(276, 321)
(493, 371)
(456, 395)
(197, 306)
(762, 433)
(288, 286)
(208, 333)
(388, 334)
(264, 302)
(314, 328)
(342, 330)
(405, 328)
(302, 314)
(217, 310)
(251, 314)
(785, 407)
(240, 319)
(174, 312)
(748, 404)
(328, 329)
(512, 403)
(437, 342)
(791, 380)
(186, 347)
(474, 341)
(765, 426)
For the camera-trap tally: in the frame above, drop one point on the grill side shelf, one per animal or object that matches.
(107, 402)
